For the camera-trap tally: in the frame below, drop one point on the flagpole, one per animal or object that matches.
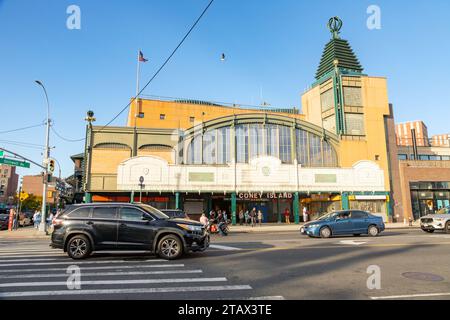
(137, 86)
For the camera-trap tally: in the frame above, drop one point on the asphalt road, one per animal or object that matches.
(412, 265)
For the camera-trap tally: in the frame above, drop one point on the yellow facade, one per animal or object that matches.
(179, 115)
(375, 106)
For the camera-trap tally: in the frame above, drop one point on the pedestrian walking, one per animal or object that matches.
(247, 217)
(15, 216)
(305, 214)
(37, 219)
(253, 217)
(241, 217)
(260, 217)
(287, 215)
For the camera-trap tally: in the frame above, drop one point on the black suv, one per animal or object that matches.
(81, 229)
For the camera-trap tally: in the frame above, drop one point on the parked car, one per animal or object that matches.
(438, 221)
(175, 213)
(4, 221)
(350, 222)
(81, 229)
(25, 219)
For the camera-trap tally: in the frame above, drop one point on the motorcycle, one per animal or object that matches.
(215, 227)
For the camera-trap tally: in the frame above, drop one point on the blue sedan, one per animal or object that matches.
(351, 222)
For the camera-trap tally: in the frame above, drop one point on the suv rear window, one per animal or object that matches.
(104, 213)
(80, 213)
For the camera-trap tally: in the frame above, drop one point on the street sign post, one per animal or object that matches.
(15, 163)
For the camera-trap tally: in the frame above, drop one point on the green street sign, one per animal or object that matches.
(15, 163)
(1, 153)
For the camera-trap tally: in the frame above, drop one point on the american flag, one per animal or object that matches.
(141, 57)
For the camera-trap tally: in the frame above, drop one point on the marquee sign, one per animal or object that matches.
(264, 195)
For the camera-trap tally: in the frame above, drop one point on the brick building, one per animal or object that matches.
(404, 133)
(9, 180)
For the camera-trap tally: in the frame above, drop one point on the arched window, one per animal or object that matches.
(112, 145)
(254, 140)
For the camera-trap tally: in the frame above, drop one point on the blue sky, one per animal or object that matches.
(272, 47)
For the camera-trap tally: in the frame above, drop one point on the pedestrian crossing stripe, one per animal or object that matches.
(104, 274)
(123, 291)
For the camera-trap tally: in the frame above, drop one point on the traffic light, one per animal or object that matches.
(51, 165)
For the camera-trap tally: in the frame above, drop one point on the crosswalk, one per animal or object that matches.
(32, 270)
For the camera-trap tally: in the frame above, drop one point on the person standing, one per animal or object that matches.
(15, 218)
(204, 220)
(247, 217)
(305, 215)
(241, 217)
(260, 217)
(287, 216)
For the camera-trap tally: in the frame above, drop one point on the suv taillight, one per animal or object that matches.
(57, 222)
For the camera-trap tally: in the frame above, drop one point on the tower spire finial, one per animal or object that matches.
(335, 26)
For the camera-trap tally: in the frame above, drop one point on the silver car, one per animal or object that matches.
(438, 221)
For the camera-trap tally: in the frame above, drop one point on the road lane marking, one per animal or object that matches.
(226, 248)
(423, 295)
(352, 242)
(76, 262)
(255, 298)
(122, 291)
(104, 274)
(111, 282)
(96, 268)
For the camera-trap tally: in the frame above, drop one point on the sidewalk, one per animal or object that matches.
(283, 227)
(22, 233)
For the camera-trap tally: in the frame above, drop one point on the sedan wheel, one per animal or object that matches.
(170, 247)
(373, 231)
(447, 227)
(79, 247)
(325, 232)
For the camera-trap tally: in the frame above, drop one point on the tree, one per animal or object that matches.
(32, 203)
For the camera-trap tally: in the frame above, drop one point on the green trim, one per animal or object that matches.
(233, 208)
(338, 49)
(87, 197)
(345, 201)
(177, 200)
(296, 208)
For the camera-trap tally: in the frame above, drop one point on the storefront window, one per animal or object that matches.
(372, 206)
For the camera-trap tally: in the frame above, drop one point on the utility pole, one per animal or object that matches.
(43, 225)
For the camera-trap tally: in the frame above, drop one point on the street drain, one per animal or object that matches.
(423, 276)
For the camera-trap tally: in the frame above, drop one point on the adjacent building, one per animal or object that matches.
(9, 180)
(57, 190)
(424, 175)
(199, 155)
(412, 133)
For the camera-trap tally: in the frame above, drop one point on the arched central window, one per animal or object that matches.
(254, 140)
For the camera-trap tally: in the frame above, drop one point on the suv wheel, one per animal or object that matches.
(170, 247)
(79, 247)
(325, 232)
(373, 231)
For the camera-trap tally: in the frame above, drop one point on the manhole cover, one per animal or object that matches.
(423, 276)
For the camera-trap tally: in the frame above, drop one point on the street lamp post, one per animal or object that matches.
(43, 225)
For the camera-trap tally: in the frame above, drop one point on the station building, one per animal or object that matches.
(332, 154)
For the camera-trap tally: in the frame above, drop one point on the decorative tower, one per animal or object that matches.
(337, 65)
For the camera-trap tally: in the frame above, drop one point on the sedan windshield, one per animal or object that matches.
(155, 212)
